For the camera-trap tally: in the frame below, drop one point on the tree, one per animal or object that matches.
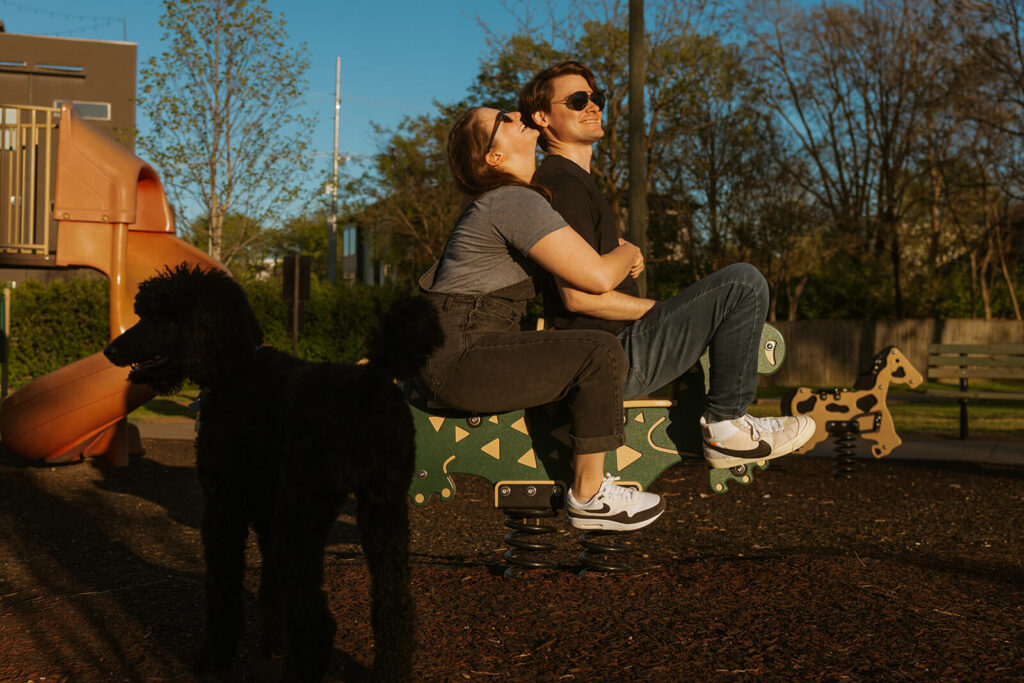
(244, 240)
(992, 42)
(410, 201)
(222, 103)
(858, 87)
(992, 67)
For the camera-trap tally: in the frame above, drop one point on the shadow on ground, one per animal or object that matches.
(901, 569)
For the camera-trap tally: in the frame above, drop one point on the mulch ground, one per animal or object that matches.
(901, 570)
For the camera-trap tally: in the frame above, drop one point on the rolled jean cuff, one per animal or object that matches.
(597, 444)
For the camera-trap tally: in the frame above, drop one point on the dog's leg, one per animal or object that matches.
(299, 533)
(271, 605)
(224, 532)
(384, 529)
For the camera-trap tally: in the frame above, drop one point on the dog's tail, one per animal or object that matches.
(405, 337)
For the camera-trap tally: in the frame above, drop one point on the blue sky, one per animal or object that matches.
(396, 56)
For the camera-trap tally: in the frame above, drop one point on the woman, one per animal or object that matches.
(505, 236)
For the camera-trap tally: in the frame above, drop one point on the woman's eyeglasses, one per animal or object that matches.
(578, 100)
(501, 118)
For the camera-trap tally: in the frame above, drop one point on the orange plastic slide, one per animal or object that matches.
(113, 216)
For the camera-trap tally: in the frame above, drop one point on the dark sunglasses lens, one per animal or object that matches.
(501, 118)
(578, 100)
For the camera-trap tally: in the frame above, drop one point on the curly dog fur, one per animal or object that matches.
(281, 444)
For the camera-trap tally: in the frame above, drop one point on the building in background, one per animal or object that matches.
(98, 75)
(37, 74)
(357, 262)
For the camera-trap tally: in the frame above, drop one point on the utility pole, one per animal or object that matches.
(637, 137)
(332, 232)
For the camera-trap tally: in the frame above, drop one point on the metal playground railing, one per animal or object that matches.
(27, 157)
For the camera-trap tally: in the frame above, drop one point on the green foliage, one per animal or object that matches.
(56, 324)
(862, 156)
(337, 319)
(412, 201)
(306, 235)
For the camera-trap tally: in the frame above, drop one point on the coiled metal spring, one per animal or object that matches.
(846, 449)
(523, 544)
(597, 554)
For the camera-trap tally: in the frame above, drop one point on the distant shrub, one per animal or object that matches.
(58, 323)
(336, 322)
(55, 324)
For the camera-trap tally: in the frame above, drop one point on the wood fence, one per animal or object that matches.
(831, 353)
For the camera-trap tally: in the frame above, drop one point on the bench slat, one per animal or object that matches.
(1008, 349)
(977, 373)
(976, 361)
(974, 395)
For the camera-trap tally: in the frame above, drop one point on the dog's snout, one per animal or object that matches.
(111, 352)
(115, 353)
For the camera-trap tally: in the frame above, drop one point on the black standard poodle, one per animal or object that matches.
(281, 444)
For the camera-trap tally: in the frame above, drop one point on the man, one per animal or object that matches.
(662, 340)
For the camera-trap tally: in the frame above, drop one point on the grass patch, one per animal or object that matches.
(984, 417)
(166, 408)
(931, 417)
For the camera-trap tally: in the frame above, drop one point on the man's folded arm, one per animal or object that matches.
(611, 305)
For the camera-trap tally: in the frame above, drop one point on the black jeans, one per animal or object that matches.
(488, 365)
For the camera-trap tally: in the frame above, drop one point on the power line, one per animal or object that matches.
(101, 22)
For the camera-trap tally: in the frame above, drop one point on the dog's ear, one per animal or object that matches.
(227, 326)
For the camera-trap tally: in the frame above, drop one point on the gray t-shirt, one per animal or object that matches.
(487, 248)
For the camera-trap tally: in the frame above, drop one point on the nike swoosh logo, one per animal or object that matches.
(763, 449)
(605, 509)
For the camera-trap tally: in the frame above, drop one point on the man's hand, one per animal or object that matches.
(638, 263)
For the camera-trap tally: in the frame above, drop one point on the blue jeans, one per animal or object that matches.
(725, 311)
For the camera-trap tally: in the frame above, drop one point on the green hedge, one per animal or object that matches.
(55, 324)
(336, 323)
(58, 323)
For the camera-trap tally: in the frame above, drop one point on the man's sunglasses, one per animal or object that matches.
(578, 100)
(501, 118)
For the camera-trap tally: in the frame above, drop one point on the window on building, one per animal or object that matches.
(349, 242)
(62, 68)
(93, 111)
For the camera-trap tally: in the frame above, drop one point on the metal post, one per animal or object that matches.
(332, 234)
(5, 336)
(963, 399)
(296, 279)
(637, 136)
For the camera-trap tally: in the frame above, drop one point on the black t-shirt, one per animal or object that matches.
(576, 197)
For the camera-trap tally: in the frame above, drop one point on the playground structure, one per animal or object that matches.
(862, 410)
(110, 213)
(526, 456)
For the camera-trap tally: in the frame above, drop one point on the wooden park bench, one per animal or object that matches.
(976, 361)
(526, 456)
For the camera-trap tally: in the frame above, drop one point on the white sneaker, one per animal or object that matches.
(614, 508)
(749, 439)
